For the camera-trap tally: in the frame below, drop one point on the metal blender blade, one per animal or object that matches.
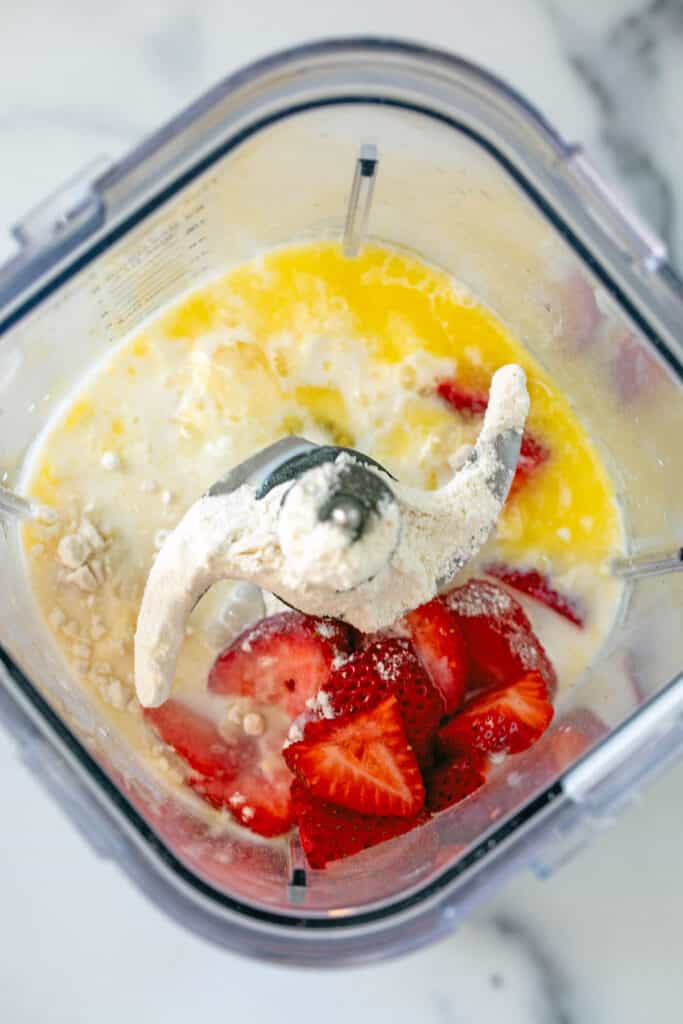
(15, 506)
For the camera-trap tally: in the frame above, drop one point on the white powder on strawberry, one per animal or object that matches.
(321, 705)
(494, 602)
(296, 732)
(238, 536)
(389, 669)
(524, 646)
(471, 601)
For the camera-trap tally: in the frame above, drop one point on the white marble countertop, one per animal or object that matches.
(599, 943)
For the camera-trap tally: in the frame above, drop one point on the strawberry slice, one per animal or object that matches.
(283, 660)
(465, 400)
(389, 666)
(362, 762)
(532, 455)
(537, 586)
(520, 778)
(502, 645)
(330, 833)
(558, 749)
(258, 800)
(507, 720)
(440, 646)
(469, 402)
(196, 739)
(453, 780)
(228, 768)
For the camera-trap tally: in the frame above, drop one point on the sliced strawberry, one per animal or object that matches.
(518, 779)
(502, 645)
(259, 801)
(282, 660)
(329, 833)
(470, 402)
(558, 749)
(230, 769)
(361, 761)
(440, 646)
(532, 455)
(537, 586)
(386, 666)
(196, 739)
(465, 400)
(507, 720)
(453, 780)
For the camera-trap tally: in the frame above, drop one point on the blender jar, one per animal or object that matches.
(471, 179)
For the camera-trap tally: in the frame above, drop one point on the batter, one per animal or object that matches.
(300, 341)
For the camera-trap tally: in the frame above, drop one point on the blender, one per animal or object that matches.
(360, 139)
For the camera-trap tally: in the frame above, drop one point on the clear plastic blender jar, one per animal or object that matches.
(471, 179)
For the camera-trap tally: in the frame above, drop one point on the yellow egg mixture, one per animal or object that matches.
(300, 341)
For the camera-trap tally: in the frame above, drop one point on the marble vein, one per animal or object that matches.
(621, 69)
(554, 993)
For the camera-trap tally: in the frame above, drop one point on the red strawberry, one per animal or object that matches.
(465, 400)
(329, 833)
(230, 769)
(532, 455)
(452, 781)
(507, 720)
(361, 761)
(501, 643)
(558, 749)
(260, 801)
(389, 665)
(203, 848)
(522, 777)
(440, 646)
(196, 739)
(470, 402)
(537, 586)
(283, 660)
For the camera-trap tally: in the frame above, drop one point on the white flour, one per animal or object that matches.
(317, 553)
(424, 538)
